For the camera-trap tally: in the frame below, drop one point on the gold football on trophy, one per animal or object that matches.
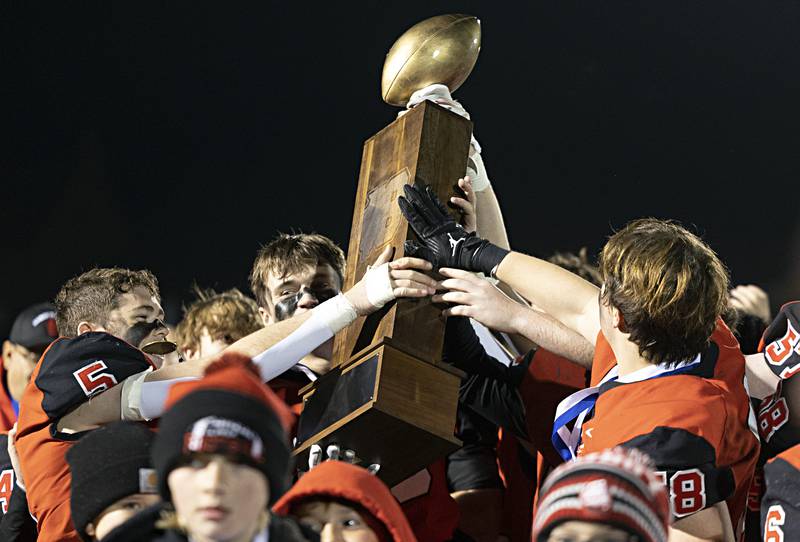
(442, 49)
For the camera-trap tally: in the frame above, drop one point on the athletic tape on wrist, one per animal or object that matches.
(379, 285)
(480, 179)
(131, 397)
(144, 401)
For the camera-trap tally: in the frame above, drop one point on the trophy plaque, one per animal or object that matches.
(388, 397)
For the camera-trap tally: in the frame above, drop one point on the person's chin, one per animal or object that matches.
(212, 522)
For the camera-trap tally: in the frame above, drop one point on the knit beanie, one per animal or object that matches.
(229, 411)
(107, 465)
(615, 487)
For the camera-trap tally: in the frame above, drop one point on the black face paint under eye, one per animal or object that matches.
(285, 308)
(138, 331)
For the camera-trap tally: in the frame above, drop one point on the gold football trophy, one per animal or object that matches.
(388, 397)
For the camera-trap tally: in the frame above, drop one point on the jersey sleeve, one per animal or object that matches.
(73, 370)
(16, 524)
(781, 342)
(687, 464)
(780, 506)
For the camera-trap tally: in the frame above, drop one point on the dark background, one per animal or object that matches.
(180, 136)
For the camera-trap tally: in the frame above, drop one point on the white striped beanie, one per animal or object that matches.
(615, 487)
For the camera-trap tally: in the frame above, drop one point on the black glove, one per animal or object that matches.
(445, 243)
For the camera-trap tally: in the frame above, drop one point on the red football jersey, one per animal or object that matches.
(426, 502)
(780, 506)
(698, 426)
(68, 374)
(779, 431)
(524, 465)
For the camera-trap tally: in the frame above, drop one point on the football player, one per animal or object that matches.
(667, 374)
(772, 378)
(16, 525)
(780, 506)
(292, 274)
(105, 316)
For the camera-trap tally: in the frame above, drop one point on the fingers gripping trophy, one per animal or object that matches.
(389, 399)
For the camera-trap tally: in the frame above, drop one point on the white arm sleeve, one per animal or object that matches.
(326, 319)
(145, 400)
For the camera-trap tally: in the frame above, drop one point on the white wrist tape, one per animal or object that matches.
(326, 319)
(144, 401)
(478, 175)
(131, 397)
(440, 95)
(379, 285)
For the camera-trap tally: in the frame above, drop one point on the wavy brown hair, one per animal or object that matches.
(92, 295)
(669, 286)
(228, 316)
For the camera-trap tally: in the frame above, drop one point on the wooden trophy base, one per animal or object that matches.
(387, 406)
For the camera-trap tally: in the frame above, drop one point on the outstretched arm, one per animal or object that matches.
(561, 294)
(274, 348)
(568, 298)
(476, 298)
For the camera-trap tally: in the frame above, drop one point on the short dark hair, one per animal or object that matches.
(669, 286)
(289, 253)
(92, 295)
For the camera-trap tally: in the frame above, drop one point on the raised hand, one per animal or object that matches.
(387, 280)
(468, 206)
(477, 298)
(445, 243)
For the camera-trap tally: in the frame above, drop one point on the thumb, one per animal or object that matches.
(415, 250)
(385, 256)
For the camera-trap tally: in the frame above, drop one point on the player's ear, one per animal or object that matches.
(90, 529)
(8, 349)
(619, 320)
(86, 327)
(265, 317)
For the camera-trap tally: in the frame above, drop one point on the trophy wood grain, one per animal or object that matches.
(428, 145)
(388, 397)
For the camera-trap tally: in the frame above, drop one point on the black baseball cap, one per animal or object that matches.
(35, 327)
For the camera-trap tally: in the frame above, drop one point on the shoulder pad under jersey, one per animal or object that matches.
(73, 370)
(781, 341)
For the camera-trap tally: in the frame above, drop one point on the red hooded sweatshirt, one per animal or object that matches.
(342, 481)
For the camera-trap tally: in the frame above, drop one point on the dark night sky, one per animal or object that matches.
(179, 137)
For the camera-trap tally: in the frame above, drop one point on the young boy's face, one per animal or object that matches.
(335, 522)
(584, 531)
(120, 512)
(296, 293)
(218, 499)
